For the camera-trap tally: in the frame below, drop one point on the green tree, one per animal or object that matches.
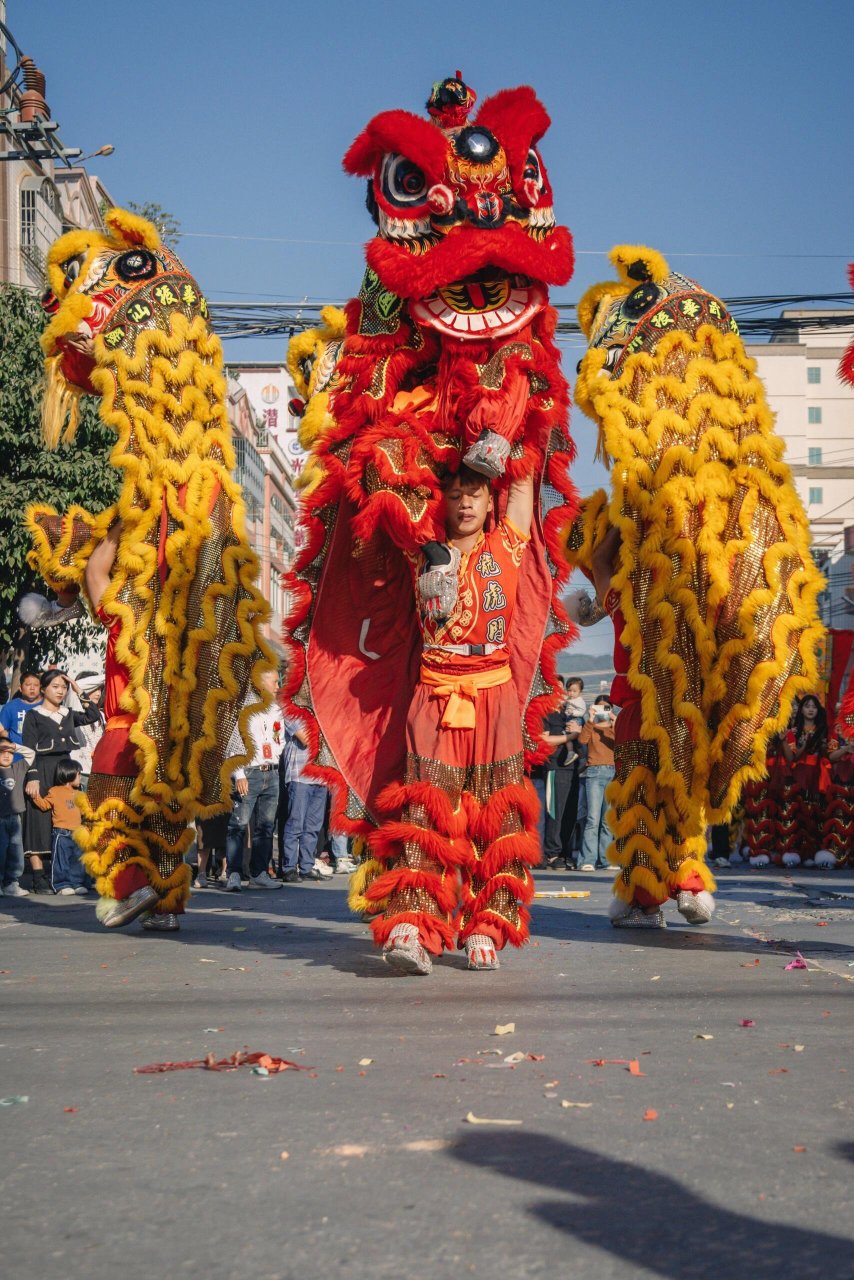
(166, 223)
(77, 472)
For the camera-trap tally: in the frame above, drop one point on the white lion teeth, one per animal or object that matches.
(461, 321)
(541, 218)
(402, 228)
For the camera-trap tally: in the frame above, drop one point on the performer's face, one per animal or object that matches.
(466, 507)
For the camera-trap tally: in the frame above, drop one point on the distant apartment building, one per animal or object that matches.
(814, 414)
(39, 197)
(266, 475)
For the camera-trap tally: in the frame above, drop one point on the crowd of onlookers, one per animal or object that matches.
(571, 783)
(277, 831)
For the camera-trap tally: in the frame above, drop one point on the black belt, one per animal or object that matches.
(264, 768)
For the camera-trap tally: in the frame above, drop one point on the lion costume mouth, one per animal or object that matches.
(488, 302)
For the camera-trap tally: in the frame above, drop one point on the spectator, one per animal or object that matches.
(556, 783)
(67, 876)
(50, 732)
(306, 809)
(211, 839)
(598, 736)
(343, 863)
(12, 773)
(256, 796)
(12, 714)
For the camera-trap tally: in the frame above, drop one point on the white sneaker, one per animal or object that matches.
(322, 868)
(345, 866)
(14, 890)
(201, 881)
(264, 881)
(232, 884)
(81, 891)
(67, 892)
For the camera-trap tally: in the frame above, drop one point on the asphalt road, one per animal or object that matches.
(728, 1156)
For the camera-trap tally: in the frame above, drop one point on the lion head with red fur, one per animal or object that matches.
(466, 226)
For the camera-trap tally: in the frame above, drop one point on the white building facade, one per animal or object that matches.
(814, 414)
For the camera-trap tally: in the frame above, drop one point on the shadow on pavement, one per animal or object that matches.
(652, 1221)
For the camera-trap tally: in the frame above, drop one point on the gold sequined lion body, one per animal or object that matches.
(709, 578)
(182, 609)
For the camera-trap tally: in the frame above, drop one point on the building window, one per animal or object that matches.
(814, 457)
(814, 415)
(816, 497)
(813, 373)
(40, 224)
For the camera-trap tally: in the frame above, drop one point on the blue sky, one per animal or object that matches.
(717, 133)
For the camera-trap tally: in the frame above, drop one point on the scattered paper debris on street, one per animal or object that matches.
(471, 1118)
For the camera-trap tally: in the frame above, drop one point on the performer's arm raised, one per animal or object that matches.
(520, 504)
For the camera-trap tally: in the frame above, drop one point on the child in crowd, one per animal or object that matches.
(12, 773)
(67, 876)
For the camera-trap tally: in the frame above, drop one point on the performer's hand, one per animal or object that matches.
(241, 786)
(32, 790)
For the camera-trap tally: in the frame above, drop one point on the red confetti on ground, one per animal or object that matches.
(70, 1110)
(631, 1064)
(799, 1149)
(779, 1071)
(747, 1022)
(650, 1114)
(821, 924)
(749, 964)
(210, 1063)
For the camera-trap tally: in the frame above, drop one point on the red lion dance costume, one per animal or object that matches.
(448, 357)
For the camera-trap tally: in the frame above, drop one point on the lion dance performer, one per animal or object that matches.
(168, 570)
(700, 553)
(448, 376)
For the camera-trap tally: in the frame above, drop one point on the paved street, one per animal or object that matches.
(728, 1156)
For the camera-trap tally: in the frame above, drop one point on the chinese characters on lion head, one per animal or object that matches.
(448, 359)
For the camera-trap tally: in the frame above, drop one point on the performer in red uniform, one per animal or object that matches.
(461, 832)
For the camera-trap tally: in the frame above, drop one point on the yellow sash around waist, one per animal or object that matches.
(461, 693)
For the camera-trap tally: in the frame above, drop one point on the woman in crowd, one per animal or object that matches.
(50, 732)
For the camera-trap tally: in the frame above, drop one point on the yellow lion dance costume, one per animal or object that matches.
(185, 655)
(700, 553)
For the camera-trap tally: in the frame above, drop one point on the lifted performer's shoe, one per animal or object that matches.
(481, 952)
(404, 952)
(165, 923)
(119, 912)
(697, 908)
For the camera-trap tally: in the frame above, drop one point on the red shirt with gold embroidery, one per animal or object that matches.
(488, 581)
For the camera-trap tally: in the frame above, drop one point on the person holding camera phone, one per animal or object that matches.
(598, 736)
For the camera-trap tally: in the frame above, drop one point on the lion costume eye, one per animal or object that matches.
(403, 184)
(532, 171)
(71, 269)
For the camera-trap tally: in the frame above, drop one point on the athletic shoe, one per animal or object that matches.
(41, 884)
(587, 866)
(721, 862)
(201, 881)
(404, 952)
(481, 953)
(232, 884)
(113, 914)
(167, 922)
(14, 890)
(67, 892)
(323, 868)
(346, 866)
(314, 874)
(81, 891)
(264, 881)
(290, 877)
